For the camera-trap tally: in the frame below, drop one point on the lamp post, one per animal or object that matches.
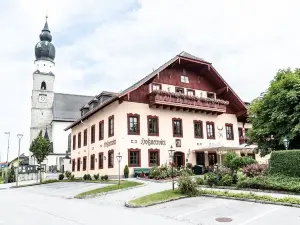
(119, 158)
(17, 173)
(6, 176)
(171, 154)
(286, 143)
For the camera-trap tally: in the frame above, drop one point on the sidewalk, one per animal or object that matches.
(8, 185)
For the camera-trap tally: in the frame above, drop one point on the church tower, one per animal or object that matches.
(43, 84)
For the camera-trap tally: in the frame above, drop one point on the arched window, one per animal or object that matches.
(43, 86)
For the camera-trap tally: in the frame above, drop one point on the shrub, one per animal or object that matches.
(255, 170)
(187, 185)
(279, 183)
(240, 162)
(200, 181)
(72, 177)
(87, 177)
(61, 176)
(96, 176)
(68, 174)
(285, 163)
(229, 156)
(226, 180)
(212, 179)
(105, 177)
(126, 171)
(241, 176)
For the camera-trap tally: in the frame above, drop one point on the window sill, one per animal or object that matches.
(133, 133)
(198, 137)
(211, 138)
(134, 166)
(153, 135)
(178, 136)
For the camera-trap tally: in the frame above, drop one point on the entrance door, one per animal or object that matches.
(179, 159)
(200, 158)
(212, 159)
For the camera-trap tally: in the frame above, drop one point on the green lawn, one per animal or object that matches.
(157, 197)
(162, 196)
(113, 187)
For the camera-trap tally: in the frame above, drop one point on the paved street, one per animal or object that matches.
(63, 189)
(205, 211)
(51, 204)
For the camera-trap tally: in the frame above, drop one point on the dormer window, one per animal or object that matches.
(211, 95)
(156, 87)
(179, 90)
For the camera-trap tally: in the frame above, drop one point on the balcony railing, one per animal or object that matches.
(179, 100)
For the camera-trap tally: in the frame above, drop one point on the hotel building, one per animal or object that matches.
(185, 104)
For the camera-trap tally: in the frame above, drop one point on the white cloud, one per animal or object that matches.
(108, 45)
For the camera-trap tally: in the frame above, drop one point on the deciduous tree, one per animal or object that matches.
(276, 113)
(40, 148)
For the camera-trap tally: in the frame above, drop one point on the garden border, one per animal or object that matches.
(156, 181)
(109, 192)
(249, 189)
(129, 205)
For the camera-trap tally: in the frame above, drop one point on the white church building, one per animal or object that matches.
(51, 112)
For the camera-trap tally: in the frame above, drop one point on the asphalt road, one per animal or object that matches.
(50, 204)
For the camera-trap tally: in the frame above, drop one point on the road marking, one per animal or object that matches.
(259, 216)
(191, 212)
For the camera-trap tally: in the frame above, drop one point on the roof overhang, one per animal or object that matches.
(219, 147)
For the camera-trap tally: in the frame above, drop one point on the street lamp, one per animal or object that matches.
(119, 158)
(17, 173)
(6, 177)
(171, 154)
(286, 143)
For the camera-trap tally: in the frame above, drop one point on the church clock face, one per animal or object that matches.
(42, 98)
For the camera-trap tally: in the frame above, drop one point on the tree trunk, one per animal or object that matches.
(40, 173)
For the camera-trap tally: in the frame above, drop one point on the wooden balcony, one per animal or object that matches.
(180, 101)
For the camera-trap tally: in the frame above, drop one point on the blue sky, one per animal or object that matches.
(108, 45)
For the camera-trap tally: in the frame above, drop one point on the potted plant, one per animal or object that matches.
(126, 171)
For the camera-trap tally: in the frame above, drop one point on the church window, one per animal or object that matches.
(85, 137)
(43, 85)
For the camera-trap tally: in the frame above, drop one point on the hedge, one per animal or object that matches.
(285, 163)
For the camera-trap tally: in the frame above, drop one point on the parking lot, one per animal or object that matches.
(208, 211)
(62, 189)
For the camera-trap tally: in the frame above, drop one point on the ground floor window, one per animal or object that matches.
(212, 159)
(73, 165)
(100, 166)
(78, 164)
(134, 157)
(111, 159)
(92, 162)
(153, 157)
(84, 164)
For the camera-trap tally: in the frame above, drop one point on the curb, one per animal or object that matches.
(251, 200)
(129, 205)
(249, 189)
(156, 181)
(110, 192)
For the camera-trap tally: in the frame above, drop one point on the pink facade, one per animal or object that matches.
(199, 122)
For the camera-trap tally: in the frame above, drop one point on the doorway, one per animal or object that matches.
(179, 159)
(200, 158)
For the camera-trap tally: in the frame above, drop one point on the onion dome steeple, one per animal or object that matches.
(45, 50)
